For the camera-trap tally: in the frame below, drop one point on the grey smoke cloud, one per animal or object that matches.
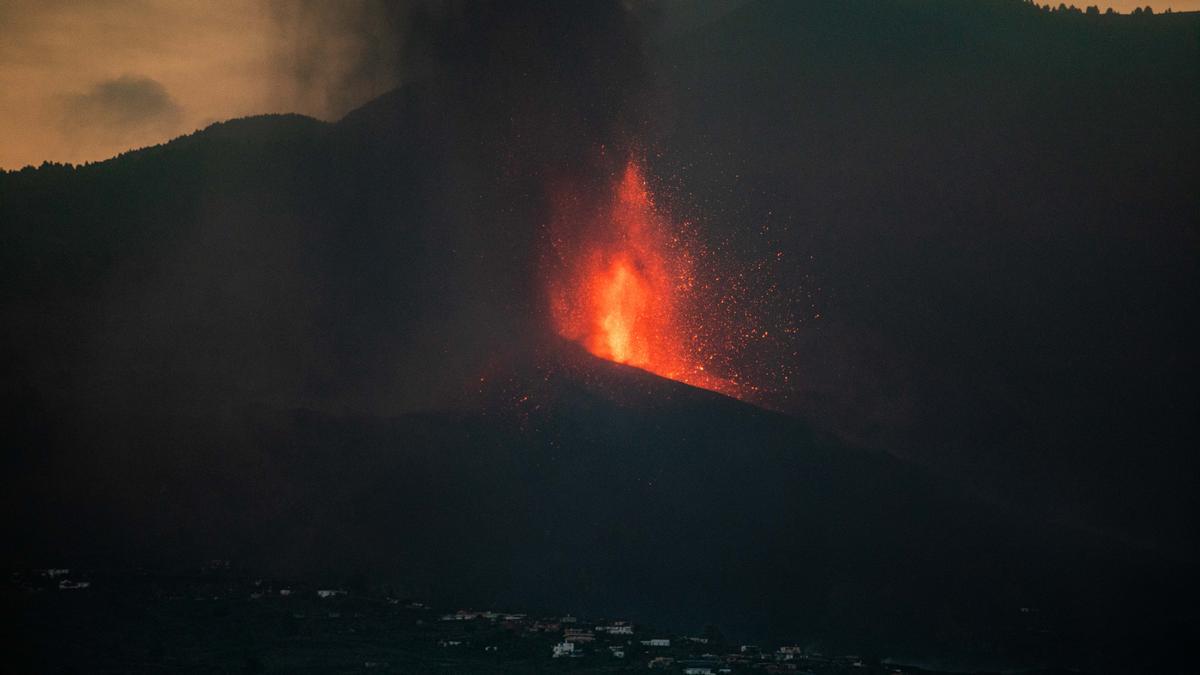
(121, 109)
(86, 81)
(332, 57)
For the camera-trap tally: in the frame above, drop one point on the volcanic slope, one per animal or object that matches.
(593, 488)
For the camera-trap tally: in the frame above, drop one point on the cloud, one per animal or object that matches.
(121, 109)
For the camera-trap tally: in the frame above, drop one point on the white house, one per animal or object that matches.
(657, 642)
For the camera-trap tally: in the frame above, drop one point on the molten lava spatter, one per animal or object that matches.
(624, 288)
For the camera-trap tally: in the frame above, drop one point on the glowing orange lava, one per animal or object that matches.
(624, 287)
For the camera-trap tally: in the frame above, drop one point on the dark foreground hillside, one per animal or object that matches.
(653, 501)
(217, 619)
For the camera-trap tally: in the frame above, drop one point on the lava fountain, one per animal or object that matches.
(624, 286)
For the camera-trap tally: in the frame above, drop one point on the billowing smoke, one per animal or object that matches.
(499, 103)
(536, 77)
(332, 57)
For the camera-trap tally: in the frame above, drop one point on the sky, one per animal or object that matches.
(83, 81)
(1128, 5)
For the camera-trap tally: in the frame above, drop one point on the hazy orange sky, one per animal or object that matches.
(82, 81)
(85, 80)
(1126, 6)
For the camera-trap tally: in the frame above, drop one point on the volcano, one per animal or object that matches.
(628, 291)
(456, 346)
(555, 478)
(565, 473)
(655, 501)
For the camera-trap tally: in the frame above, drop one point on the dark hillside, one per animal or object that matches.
(654, 501)
(994, 212)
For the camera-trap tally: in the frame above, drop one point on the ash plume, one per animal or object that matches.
(335, 56)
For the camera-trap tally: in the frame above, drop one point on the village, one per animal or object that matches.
(260, 625)
(621, 640)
